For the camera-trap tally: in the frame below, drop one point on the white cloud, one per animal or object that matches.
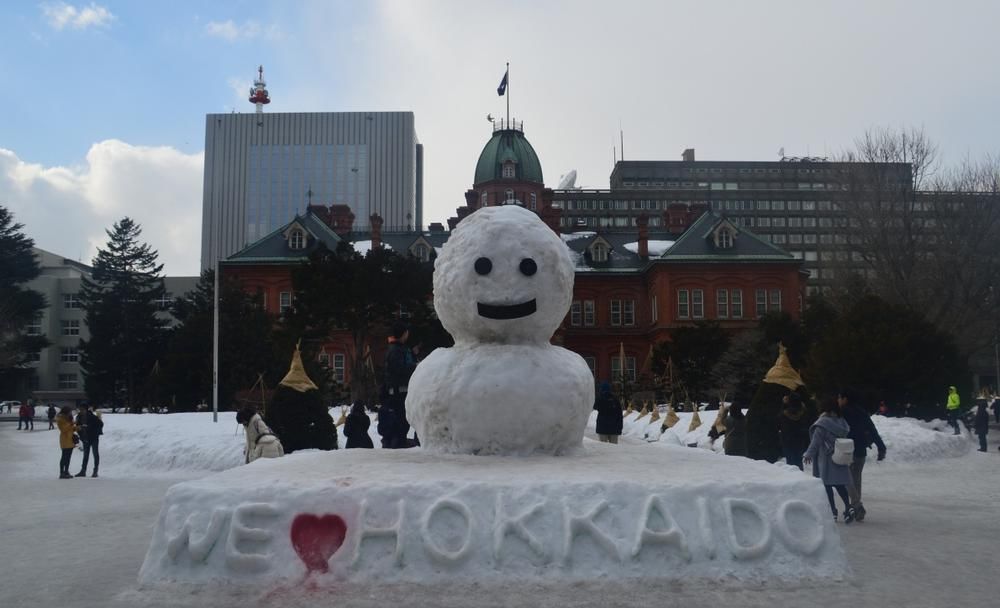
(67, 209)
(248, 30)
(61, 15)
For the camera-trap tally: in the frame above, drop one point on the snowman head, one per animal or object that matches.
(503, 276)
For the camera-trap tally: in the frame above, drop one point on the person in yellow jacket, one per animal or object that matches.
(66, 431)
(954, 403)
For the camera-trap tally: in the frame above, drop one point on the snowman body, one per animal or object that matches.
(502, 285)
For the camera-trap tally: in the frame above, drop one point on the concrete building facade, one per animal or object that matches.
(263, 169)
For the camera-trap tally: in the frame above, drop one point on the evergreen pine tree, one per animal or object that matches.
(19, 306)
(121, 302)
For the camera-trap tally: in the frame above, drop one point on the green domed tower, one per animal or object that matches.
(508, 173)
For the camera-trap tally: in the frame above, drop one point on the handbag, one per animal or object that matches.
(843, 451)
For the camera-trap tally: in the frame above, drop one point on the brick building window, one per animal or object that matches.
(722, 303)
(628, 312)
(589, 313)
(284, 301)
(775, 300)
(616, 312)
(697, 303)
(592, 364)
(737, 303)
(338, 367)
(654, 312)
(509, 196)
(483, 200)
(533, 201)
(297, 240)
(761, 302)
(683, 304)
(576, 314)
(324, 360)
(616, 368)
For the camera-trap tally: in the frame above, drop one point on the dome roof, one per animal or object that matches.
(508, 145)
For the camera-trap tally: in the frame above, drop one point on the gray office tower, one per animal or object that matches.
(261, 169)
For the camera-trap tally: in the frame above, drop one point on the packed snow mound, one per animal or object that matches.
(656, 248)
(413, 516)
(906, 439)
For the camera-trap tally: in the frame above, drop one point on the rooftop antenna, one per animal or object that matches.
(258, 92)
(621, 135)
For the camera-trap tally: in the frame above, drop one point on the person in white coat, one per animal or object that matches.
(261, 441)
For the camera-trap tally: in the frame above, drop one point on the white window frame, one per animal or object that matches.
(653, 310)
(697, 304)
(725, 239)
(69, 354)
(484, 200)
(683, 304)
(508, 170)
(628, 313)
(70, 301)
(616, 313)
(629, 368)
(338, 369)
(508, 196)
(533, 201)
(761, 302)
(68, 381)
(599, 252)
(297, 240)
(34, 327)
(576, 314)
(70, 327)
(775, 300)
(589, 313)
(722, 303)
(284, 301)
(737, 302)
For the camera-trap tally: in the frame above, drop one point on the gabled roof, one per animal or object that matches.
(402, 242)
(697, 244)
(622, 256)
(274, 247)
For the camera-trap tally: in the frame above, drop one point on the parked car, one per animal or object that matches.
(10, 405)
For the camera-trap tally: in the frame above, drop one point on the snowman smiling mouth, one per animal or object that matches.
(512, 311)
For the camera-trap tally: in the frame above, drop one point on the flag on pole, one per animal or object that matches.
(503, 85)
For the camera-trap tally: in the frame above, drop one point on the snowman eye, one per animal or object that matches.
(484, 266)
(528, 267)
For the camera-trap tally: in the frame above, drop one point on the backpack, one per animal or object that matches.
(843, 451)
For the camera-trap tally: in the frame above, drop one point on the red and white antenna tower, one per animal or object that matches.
(258, 93)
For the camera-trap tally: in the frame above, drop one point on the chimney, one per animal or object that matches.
(376, 222)
(676, 217)
(341, 219)
(643, 221)
(688, 155)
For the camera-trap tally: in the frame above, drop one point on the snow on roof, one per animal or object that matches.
(572, 236)
(656, 248)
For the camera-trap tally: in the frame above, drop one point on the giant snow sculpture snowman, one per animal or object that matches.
(502, 285)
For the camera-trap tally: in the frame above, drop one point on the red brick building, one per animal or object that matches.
(633, 286)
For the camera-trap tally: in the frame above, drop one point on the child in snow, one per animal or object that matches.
(982, 424)
(823, 435)
(261, 442)
(356, 428)
(609, 415)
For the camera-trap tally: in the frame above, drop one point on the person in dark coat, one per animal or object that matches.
(90, 435)
(51, 412)
(982, 424)
(609, 414)
(399, 366)
(793, 425)
(735, 443)
(822, 436)
(356, 428)
(996, 409)
(864, 434)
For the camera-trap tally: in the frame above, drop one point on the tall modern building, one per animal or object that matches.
(262, 169)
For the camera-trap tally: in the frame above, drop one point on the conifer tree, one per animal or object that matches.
(120, 302)
(18, 305)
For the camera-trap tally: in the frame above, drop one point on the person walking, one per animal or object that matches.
(793, 426)
(51, 413)
(22, 416)
(609, 415)
(66, 443)
(261, 441)
(823, 435)
(864, 434)
(982, 424)
(90, 435)
(954, 403)
(399, 366)
(735, 443)
(31, 415)
(356, 428)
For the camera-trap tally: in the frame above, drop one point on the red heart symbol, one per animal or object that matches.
(317, 538)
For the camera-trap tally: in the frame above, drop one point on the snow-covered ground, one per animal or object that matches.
(930, 538)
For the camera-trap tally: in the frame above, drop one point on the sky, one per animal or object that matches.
(106, 100)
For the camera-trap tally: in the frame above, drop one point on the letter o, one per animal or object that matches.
(805, 546)
(433, 550)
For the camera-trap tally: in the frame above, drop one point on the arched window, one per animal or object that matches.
(509, 196)
(533, 201)
(508, 170)
(599, 252)
(422, 252)
(296, 240)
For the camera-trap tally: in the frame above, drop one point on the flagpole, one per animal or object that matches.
(508, 94)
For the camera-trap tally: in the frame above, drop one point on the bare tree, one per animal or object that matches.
(925, 237)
